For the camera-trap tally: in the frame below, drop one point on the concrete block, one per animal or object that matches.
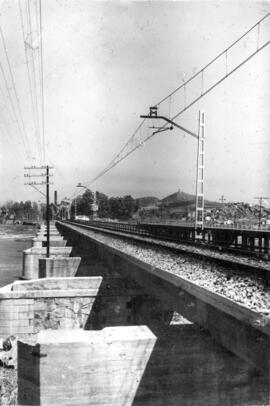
(64, 251)
(57, 284)
(54, 242)
(53, 303)
(58, 266)
(53, 238)
(76, 367)
(36, 242)
(52, 233)
(32, 255)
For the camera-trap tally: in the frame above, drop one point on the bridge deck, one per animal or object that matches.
(242, 331)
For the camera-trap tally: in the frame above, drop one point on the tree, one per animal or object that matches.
(122, 208)
(84, 203)
(23, 210)
(103, 205)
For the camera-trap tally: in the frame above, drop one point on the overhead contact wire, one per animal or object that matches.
(118, 157)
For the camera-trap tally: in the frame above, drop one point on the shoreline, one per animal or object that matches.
(14, 239)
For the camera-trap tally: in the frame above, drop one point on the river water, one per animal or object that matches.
(14, 239)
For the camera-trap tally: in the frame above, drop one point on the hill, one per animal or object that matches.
(182, 199)
(178, 198)
(147, 201)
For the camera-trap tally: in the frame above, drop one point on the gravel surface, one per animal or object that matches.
(8, 386)
(244, 288)
(204, 251)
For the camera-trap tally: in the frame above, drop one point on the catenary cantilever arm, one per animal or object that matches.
(173, 123)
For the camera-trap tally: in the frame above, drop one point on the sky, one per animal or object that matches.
(104, 64)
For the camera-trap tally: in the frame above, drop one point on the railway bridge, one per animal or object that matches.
(158, 293)
(247, 239)
(238, 239)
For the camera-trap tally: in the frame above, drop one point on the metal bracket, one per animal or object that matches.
(174, 124)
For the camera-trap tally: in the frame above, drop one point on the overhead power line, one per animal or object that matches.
(31, 50)
(15, 143)
(31, 86)
(20, 116)
(13, 109)
(7, 135)
(42, 80)
(136, 141)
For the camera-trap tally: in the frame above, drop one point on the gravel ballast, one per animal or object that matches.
(244, 288)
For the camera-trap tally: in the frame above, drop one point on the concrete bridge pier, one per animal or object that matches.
(37, 265)
(121, 300)
(76, 367)
(32, 255)
(187, 367)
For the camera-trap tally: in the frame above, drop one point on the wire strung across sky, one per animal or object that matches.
(9, 136)
(31, 79)
(31, 51)
(171, 109)
(42, 81)
(32, 38)
(14, 108)
(31, 26)
(15, 91)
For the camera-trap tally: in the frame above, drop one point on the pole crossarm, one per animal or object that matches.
(38, 167)
(171, 122)
(37, 183)
(34, 185)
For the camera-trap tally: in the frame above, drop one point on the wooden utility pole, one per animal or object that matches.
(48, 209)
(34, 185)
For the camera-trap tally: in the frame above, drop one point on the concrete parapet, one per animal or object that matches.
(32, 255)
(77, 367)
(58, 266)
(92, 284)
(56, 243)
(52, 232)
(44, 234)
(239, 329)
(53, 238)
(37, 242)
(26, 307)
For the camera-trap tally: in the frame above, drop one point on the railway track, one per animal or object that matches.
(189, 237)
(233, 307)
(235, 260)
(245, 285)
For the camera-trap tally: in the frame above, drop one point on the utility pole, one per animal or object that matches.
(222, 199)
(261, 198)
(47, 207)
(34, 185)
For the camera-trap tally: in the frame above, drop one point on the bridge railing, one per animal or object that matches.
(218, 226)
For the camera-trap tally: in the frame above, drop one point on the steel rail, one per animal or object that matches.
(173, 236)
